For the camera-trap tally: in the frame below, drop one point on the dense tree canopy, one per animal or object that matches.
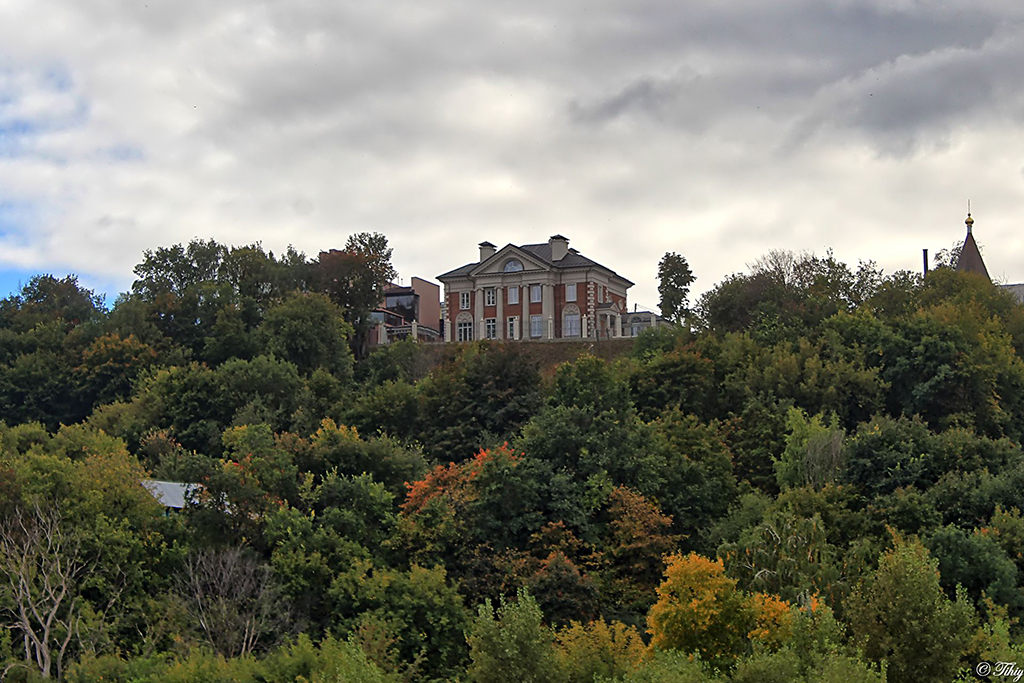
(817, 478)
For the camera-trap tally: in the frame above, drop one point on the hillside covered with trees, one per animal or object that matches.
(818, 477)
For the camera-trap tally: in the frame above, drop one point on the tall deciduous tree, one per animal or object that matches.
(355, 278)
(900, 614)
(674, 280)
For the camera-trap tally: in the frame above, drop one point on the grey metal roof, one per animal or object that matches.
(170, 494)
(1016, 290)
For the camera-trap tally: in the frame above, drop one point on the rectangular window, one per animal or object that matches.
(536, 326)
(570, 292)
(464, 331)
(535, 294)
(491, 328)
(513, 295)
(464, 301)
(571, 326)
(513, 325)
(490, 297)
(600, 294)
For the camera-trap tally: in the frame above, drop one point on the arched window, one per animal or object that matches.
(571, 321)
(513, 266)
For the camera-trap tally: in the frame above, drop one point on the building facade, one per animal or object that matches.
(636, 322)
(533, 292)
(413, 311)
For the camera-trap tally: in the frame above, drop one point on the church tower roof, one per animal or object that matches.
(970, 260)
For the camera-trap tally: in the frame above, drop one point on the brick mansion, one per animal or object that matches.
(542, 291)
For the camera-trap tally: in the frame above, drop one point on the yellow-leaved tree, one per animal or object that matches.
(700, 609)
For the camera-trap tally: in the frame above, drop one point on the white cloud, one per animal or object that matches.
(718, 130)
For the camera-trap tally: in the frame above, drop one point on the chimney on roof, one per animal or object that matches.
(559, 247)
(486, 251)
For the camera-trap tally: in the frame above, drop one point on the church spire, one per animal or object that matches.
(970, 260)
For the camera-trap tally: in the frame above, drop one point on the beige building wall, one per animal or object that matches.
(430, 302)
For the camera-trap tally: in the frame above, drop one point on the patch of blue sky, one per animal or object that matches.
(16, 219)
(18, 131)
(13, 279)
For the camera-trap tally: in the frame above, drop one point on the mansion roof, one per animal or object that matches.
(542, 253)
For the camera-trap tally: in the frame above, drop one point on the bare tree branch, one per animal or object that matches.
(233, 599)
(41, 564)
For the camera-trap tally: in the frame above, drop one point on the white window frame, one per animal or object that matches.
(513, 327)
(464, 331)
(536, 294)
(490, 328)
(513, 295)
(600, 294)
(570, 292)
(536, 326)
(490, 297)
(464, 301)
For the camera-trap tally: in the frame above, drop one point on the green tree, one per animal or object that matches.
(355, 278)
(674, 280)
(814, 451)
(900, 615)
(309, 331)
(513, 644)
(978, 564)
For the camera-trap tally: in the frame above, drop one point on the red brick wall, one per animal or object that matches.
(513, 309)
(453, 307)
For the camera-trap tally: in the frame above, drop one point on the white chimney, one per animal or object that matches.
(559, 247)
(486, 251)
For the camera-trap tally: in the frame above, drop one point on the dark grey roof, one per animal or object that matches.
(570, 260)
(485, 244)
(573, 259)
(461, 270)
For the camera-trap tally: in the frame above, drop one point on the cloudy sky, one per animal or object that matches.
(715, 129)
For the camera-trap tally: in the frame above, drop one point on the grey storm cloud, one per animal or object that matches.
(718, 130)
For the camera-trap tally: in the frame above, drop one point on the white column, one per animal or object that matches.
(592, 317)
(415, 331)
(382, 333)
(446, 323)
(478, 312)
(524, 315)
(499, 293)
(547, 307)
(618, 325)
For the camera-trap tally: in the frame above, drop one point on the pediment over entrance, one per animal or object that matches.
(496, 264)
